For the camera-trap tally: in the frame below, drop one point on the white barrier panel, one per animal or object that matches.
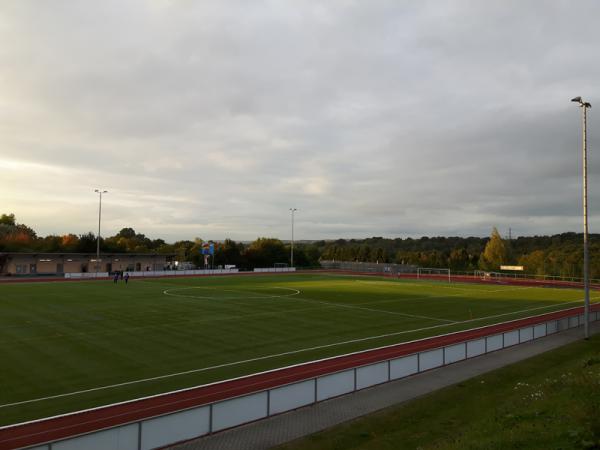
(154, 273)
(431, 359)
(539, 331)
(403, 367)
(493, 343)
(292, 396)
(164, 273)
(525, 334)
(85, 275)
(120, 438)
(336, 384)
(183, 425)
(274, 269)
(573, 322)
(475, 348)
(240, 410)
(563, 324)
(176, 427)
(511, 338)
(454, 353)
(371, 375)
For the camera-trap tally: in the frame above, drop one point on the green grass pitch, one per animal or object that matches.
(76, 345)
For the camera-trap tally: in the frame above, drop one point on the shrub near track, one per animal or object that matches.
(551, 401)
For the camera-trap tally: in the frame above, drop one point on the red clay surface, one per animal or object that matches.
(73, 424)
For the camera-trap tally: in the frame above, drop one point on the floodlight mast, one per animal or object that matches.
(99, 192)
(293, 210)
(586, 263)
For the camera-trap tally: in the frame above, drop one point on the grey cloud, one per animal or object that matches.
(375, 118)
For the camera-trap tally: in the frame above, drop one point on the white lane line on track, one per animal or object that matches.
(262, 358)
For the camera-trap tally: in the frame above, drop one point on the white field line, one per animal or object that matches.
(244, 316)
(382, 311)
(164, 324)
(169, 292)
(296, 292)
(443, 286)
(276, 355)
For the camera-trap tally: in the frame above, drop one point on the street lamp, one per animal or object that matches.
(100, 192)
(586, 263)
(293, 210)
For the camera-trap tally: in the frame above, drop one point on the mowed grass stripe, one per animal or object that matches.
(60, 338)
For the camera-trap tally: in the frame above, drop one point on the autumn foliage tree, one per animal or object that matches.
(495, 253)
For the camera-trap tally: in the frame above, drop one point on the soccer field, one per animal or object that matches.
(76, 345)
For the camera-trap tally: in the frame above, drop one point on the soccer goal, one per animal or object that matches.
(431, 272)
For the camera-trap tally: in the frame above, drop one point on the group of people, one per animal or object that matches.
(119, 274)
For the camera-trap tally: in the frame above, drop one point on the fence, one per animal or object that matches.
(384, 268)
(367, 267)
(164, 419)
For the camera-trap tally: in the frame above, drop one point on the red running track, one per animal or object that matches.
(61, 427)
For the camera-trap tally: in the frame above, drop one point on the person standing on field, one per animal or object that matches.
(116, 277)
(126, 278)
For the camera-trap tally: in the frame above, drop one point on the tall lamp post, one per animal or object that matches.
(293, 210)
(586, 263)
(99, 192)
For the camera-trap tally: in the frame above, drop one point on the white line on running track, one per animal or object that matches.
(261, 358)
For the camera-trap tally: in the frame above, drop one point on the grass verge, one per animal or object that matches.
(551, 401)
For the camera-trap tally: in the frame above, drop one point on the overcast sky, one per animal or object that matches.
(373, 118)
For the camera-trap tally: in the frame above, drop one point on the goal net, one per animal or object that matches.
(435, 273)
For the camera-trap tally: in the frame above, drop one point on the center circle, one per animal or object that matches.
(243, 294)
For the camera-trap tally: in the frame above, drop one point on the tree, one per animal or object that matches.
(229, 252)
(8, 219)
(534, 262)
(87, 243)
(495, 253)
(126, 233)
(265, 252)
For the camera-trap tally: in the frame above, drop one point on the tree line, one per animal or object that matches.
(560, 254)
(263, 252)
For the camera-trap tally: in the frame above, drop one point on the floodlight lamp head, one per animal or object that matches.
(576, 99)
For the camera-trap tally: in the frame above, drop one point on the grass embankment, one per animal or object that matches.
(551, 401)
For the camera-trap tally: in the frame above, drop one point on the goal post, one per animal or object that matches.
(438, 273)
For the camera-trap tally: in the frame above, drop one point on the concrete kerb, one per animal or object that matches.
(285, 427)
